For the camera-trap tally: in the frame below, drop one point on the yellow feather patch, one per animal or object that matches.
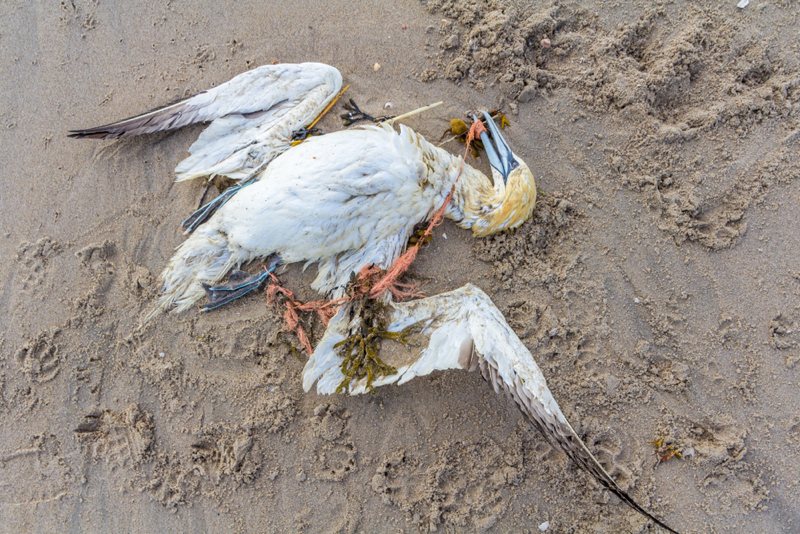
(516, 207)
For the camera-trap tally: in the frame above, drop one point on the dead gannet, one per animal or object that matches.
(348, 201)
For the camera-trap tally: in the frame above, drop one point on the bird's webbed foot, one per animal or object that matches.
(301, 134)
(354, 114)
(239, 284)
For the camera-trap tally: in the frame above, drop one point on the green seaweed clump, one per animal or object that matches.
(360, 351)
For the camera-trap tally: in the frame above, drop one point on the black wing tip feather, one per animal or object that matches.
(627, 499)
(117, 129)
(561, 435)
(100, 132)
(129, 125)
(590, 464)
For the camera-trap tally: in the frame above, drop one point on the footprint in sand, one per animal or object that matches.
(40, 357)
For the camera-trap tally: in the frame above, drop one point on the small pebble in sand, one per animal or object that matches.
(743, 4)
(545, 43)
(544, 526)
(376, 67)
(388, 105)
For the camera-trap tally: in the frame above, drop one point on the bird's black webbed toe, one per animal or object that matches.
(239, 284)
(301, 134)
(355, 114)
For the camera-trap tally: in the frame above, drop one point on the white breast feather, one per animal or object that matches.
(347, 199)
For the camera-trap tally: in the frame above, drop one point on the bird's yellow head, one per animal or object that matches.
(511, 200)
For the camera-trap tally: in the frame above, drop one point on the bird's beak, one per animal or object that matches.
(497, 150)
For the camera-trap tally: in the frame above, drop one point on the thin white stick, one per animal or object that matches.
(413, 112)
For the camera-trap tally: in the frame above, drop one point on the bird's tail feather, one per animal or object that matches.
(204, 258)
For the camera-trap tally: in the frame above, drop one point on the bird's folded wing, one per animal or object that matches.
(465, 330)
(247, 94)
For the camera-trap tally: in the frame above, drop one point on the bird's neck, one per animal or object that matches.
(443, 170)
(478, 203)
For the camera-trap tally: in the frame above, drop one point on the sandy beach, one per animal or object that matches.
(657, 285)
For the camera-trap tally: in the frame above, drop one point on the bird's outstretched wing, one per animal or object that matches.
(463, 329)
(245, 112)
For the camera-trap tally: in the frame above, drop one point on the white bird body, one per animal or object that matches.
(364, 186)
(346, 200)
